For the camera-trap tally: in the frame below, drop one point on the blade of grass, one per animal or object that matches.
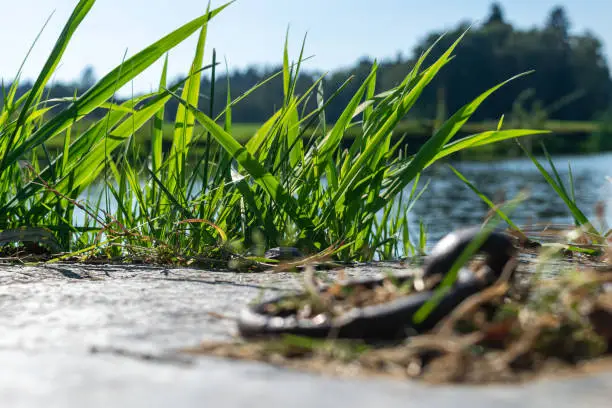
(435, 144)
(451, 277)
(75, 19)
(490, 203)
(571, 205)
(106, 87)
(267, 181)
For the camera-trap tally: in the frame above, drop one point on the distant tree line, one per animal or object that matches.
(571, 79)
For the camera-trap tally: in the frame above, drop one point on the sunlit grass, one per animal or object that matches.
(205, 186)
(410, 129)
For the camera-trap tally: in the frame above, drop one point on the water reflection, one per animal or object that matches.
(450, 204)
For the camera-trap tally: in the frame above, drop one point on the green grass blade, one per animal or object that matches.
(554, 169)
(435, 144)
(107, 86)
(393, 119)
(571, 182)
(286, 71)
(571, 205)
(89, 165)
(158, 123)
(211, 108)
(75, 19)
(484, 198)
(267, 181)
(482, 139)
(451, 276)
(329, 143)
(183, 127)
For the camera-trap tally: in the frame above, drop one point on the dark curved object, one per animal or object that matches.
(497, 248)
(385, 322)
(393, 320)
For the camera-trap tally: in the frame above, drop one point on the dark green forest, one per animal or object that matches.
(571, 81)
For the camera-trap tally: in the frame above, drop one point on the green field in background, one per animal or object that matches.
(412, 129)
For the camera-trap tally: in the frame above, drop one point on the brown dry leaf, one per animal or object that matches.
(335, 290)
(499, 331)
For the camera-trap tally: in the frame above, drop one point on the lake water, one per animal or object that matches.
(448, 203)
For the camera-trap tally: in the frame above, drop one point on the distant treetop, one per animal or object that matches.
(496, 15)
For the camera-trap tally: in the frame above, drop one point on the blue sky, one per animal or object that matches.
(252, 31)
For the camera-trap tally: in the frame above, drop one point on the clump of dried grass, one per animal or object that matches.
(514, 330)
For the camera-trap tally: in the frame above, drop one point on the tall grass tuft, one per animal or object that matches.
(210, 195)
